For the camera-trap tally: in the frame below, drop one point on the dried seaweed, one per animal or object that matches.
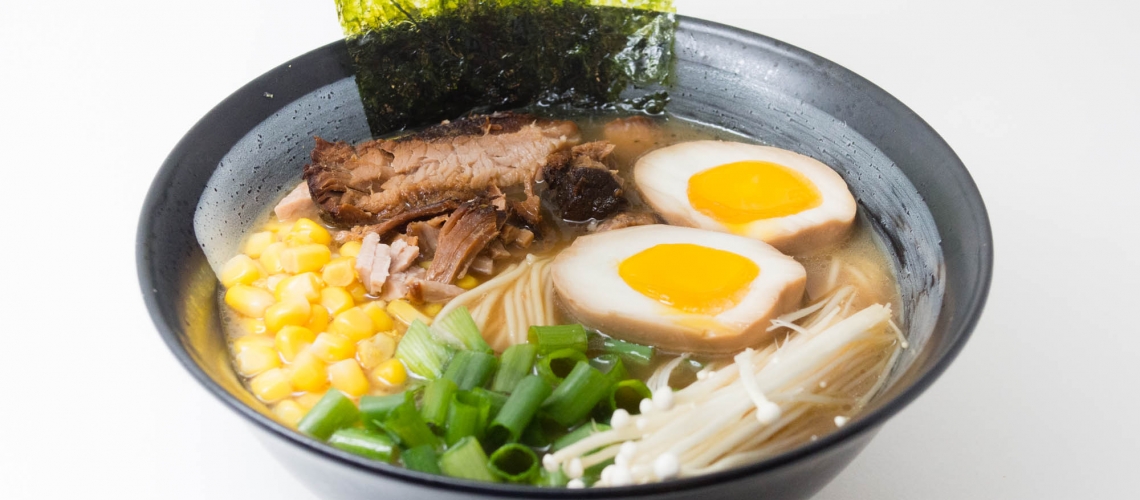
(420, 61)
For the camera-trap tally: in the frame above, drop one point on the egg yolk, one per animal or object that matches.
(692, 278)
(746, 191)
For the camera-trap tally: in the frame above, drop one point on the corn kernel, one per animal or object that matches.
(381, 320)
(258, 242)
(350, 249)
(272, 385)
(307, 372)
(240, 270)
(318, 319)
(273, 281)
(347, 376)
(254, 360)
(253, 326)
(306, 231)
(277, 226)
(330, 347)
(432, 308)
(305, 285)
(271, 258)
(249, 341)
(376, 350)
(358, 292)
(291, 340)
(309, 399)
(248, 301)
(291, 311)
(336, 300)
(467, 282)
(406, 312)
(289, 412)
(353, 324)
(305, 258)
(426, 264)
(340, 272)
(390, 373)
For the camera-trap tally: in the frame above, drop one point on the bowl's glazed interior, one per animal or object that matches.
(909, 183)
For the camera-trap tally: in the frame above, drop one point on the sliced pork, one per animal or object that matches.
(473, 225)
(298, 203)
(583, 182)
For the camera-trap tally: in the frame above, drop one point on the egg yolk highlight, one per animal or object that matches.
(692, 278)
(746, 191)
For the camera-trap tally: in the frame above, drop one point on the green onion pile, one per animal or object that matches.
(475, 415)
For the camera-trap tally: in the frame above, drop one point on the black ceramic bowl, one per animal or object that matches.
(910, 184)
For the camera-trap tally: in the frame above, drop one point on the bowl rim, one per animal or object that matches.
(866, 422)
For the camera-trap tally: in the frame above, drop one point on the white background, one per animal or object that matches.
(1038, 98)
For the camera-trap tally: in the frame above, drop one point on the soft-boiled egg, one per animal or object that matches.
(791, 201)
(679, 288)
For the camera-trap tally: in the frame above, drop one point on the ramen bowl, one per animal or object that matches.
(911, 186)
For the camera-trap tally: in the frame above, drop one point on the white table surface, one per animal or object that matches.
(1040, 100)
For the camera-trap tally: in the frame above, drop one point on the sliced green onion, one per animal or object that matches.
(496, 399)
(462, 421)
(518, 411)
(406, 424)
(480, 399)
(471, 369)
(516, 363)
(554, 367)
(558, 337)
(628, 394)
(460, 326)
(466, 460)
(611, 365)
(437, 395)
(635, 354)
(332, 412)
(514, 463)
(421, 353)
(536, 435)
(547, 479)
(374, 409)
(578, 434)
(577, 395)
(365, 443)
(422, 458)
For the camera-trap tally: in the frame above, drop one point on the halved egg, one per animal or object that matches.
(788, 200)
(679, 288)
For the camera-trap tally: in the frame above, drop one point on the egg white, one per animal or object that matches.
(663, 175)
(587, 282)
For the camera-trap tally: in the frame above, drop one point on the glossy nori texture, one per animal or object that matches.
(908, 180)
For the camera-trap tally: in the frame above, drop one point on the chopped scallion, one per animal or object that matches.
(554, 367)
(374, 445)
(422, 458)
(518, 411)
(406, 424)
(466, 460)
(437, 395)
(583, 388)
(578, 434)
(332, 412)
(459, 325)
(558, 337)
(421, 353)
(628, 394)
(374, 409)
(636, 354)
(470, 369)
(516, 363)
(462, 421)
(514, 463)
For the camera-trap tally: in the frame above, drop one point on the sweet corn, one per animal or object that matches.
(381, 320)
(289, 412)
(305, 258)
(406, 312)
(390, 373)
(309, 399)
(340, 272)
(305, 285)
(318, 319)
(307, 373)
(292, 311)
(248, 301)
(348, 377)
(254, 360)
(376, 350)
(350, 249)
(253, 326)
(272, 282)
(432, 308)
(249, 341)
(306, 231)
(467, 282)
(240, 270)
(359, 293)
(292, 340)
(336, 300)
(353, 324)
(271, 258)
(258, 242)
(330, 347)
(426, 264)
(272, 385)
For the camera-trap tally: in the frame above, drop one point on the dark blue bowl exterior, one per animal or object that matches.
(180, 291)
